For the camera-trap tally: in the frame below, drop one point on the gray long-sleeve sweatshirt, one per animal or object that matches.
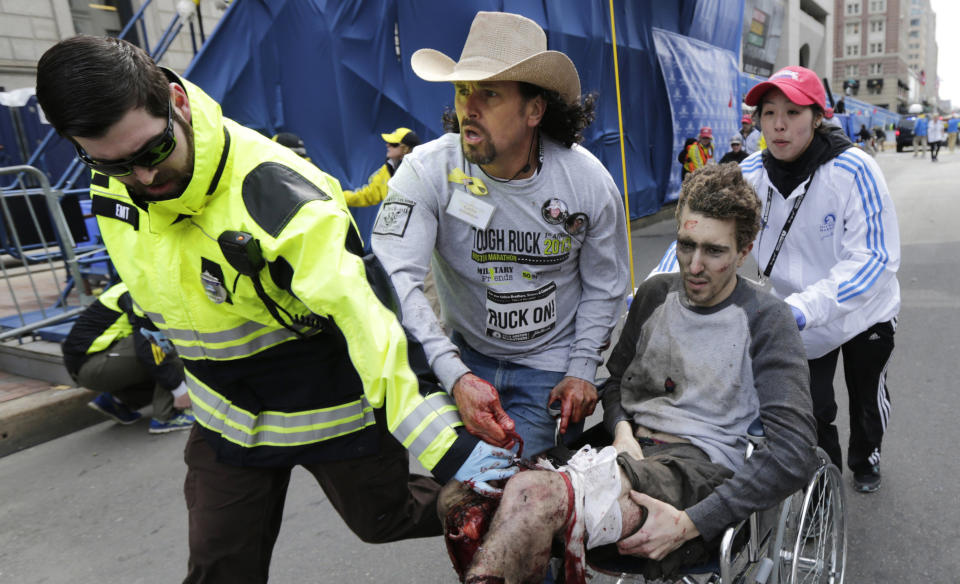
(541, 284)
(705, 374)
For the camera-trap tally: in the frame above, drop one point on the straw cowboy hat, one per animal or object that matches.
(503, 47)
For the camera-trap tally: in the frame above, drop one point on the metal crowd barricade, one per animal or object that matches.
(38, 255)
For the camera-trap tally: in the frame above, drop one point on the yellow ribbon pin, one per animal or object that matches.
(473, 184)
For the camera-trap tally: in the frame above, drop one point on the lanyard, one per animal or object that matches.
(786, 225)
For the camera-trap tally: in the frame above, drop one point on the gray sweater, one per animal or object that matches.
(541, 285)
(705, 374)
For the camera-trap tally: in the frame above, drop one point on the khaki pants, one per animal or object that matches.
(951, 140)
(679, 474)
(919, 146)
(119, 372)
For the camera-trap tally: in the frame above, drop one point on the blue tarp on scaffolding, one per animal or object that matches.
(703, 85)
(338, 74)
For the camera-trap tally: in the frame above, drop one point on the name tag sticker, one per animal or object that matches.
(470, 209)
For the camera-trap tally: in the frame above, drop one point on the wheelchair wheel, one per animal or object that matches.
(812, 541)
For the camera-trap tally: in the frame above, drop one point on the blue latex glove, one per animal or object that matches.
(157, 338)
(486, 463)
(799, 317)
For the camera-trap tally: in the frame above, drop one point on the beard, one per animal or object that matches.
(485, 153)
(180, 178)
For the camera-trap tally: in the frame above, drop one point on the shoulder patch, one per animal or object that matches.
(100, 180)
(114, 209)
(393, 218)
(273, 193)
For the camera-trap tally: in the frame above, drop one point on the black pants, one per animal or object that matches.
(935, 149)
(865, 358)
(235, 512)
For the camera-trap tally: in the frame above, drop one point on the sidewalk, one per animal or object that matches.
(34, 411)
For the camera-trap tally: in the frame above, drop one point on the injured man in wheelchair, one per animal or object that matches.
(703, 354)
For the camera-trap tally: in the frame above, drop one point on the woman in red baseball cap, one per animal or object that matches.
(830, 247)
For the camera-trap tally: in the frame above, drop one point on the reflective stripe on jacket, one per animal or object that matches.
(696, 157)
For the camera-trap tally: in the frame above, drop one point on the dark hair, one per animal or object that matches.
(719, 191)
(562, 121)
(85, 84)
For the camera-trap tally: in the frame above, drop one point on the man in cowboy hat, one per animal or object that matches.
(525, 230)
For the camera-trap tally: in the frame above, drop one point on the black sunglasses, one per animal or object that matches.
(153, 153)
(393, 144)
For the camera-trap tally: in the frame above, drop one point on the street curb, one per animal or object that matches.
(36, 418)
(665, 213)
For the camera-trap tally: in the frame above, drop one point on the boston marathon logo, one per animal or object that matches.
(522, 247)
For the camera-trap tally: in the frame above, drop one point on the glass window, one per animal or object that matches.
(853, 29)
(876, 68)
(853, 50)
(876, 26)
(853, 7)
(851, 71)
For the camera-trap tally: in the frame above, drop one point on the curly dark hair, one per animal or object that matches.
(719, 191)
(85, 84)
(564, 122)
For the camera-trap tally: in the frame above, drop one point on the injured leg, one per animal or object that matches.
(588, 502)
(534, 509)
(466, 517)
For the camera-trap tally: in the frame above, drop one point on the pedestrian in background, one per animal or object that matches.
(736, 154)
(698, 153)
(935, 136)
(880, 137)
(750, 134)
(920, 136)
(952, 125)
(293, 142)
(833, 259)
(705, 137)
(400, 142)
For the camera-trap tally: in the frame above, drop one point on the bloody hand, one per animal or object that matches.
(481, 412)
(578, 399)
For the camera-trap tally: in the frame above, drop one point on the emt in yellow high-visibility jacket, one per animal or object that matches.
(245, 256)
(399, 143)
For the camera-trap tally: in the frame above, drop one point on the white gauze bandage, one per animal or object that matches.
(595, 477)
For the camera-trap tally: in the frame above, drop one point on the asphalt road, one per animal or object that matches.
(105, 505)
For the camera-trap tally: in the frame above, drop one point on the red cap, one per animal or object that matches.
(706, 132)
(799, 84)
(746, 119)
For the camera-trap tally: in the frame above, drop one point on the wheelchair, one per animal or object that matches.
(801, 541)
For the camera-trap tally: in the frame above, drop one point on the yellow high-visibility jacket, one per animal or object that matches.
(374, 191)
(262, 395)
(697, 157)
